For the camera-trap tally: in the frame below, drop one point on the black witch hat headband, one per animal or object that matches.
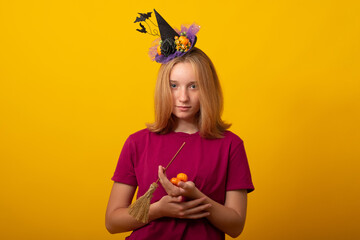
(173, 43)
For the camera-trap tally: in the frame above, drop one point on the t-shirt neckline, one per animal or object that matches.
(184, 134)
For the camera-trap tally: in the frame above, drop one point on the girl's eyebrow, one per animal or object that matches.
(174, 81)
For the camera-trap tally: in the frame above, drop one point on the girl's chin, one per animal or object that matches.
(185, 117)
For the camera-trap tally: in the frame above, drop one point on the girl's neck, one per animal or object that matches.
(186, 126)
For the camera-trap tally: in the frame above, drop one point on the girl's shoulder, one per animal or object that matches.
(230, 136)
(141, 134)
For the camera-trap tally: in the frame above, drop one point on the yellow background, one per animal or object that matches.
(75, 81)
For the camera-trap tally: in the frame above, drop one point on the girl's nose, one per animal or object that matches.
(184, 96)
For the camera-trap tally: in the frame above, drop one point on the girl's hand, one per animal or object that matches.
(169, 206)
(229, 218)
(186, 189)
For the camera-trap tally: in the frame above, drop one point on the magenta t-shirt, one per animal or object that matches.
(214, 165)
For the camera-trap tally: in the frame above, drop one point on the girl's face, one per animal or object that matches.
(184, 91)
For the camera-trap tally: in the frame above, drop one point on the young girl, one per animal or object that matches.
(188, 106)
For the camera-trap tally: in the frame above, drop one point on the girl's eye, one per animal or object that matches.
(192, 86)
(172, 85)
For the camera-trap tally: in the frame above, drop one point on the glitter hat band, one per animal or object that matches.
(173, 43)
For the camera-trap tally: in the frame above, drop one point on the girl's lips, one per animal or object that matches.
(183, 107)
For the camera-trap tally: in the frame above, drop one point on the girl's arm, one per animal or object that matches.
(229, 218)
(118, 220)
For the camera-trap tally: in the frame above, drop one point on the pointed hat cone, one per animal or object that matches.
(166, 31)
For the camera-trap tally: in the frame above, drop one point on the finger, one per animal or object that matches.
(198, 209)
(193, 203)
(162, 175)
(186, 185)
(177, 199)
(170, 188)
(161, 172)
(181, 184)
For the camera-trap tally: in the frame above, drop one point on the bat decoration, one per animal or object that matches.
(146, 15)
(151, 29)
(143, 29)
(139, 19)
(143, 17)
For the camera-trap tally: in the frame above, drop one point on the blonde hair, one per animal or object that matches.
(209, 120)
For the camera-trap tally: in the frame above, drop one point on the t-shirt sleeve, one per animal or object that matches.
(125, 172)
(239, 176)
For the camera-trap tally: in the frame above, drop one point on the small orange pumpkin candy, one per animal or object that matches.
(182, 177)
(183, 40)
(175, 181)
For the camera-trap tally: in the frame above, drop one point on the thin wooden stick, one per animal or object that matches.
(172, 159)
